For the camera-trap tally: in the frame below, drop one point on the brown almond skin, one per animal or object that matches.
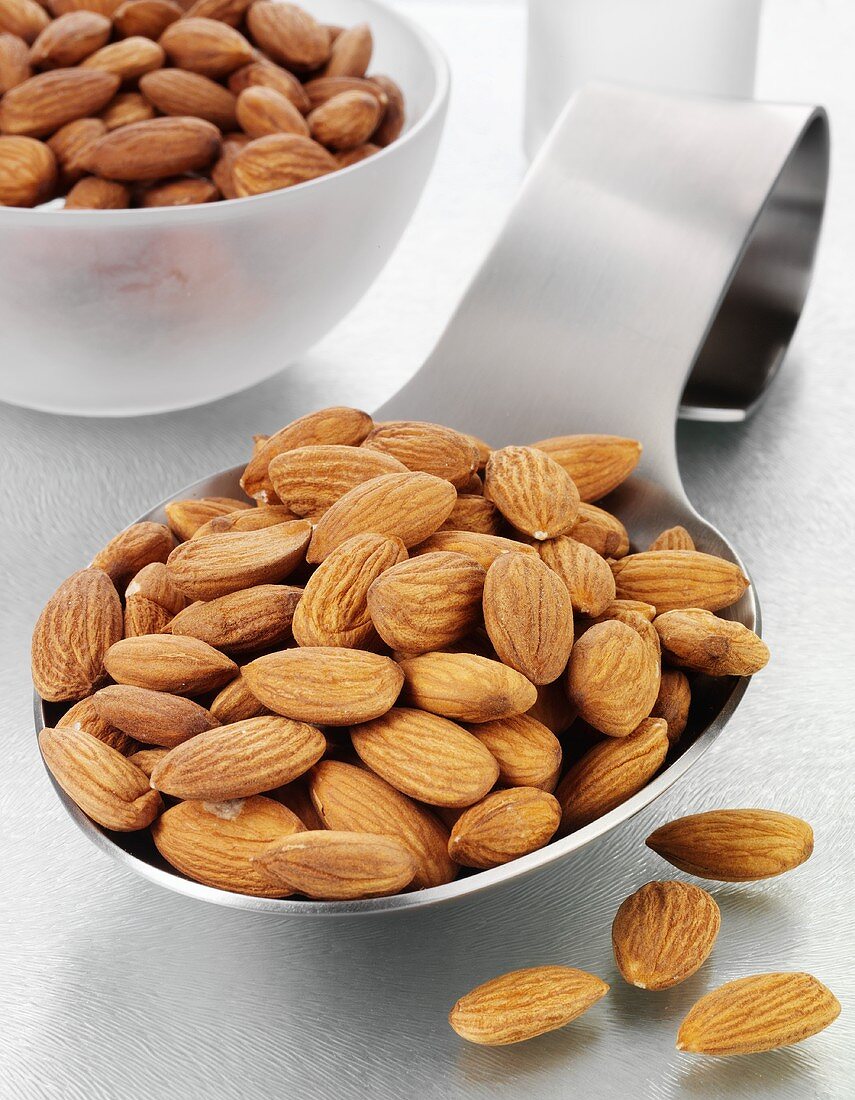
(353, 799)
(673, 702)
(345, 121)
(528, 753)
(184, 191)
(84, 715)
(125, 109)
(553, 709)
(504, 826)
(235, 703)
(68, 40)
(426, 603)
(268, 75)
(14, 62)
(532, 492)
(325, 684)
(311, 479)
(392, 122)
(597, 463)
(408, 506)
(47, 101)
(465, 687)
(227, 11)
(525, 1003)
(219, 564)
(92, 193)
(148, 18)
(247, 519)
(156, 148)
(176, 92)
(288, 35)
(529, 617)
(426, 448)
(147, 759)
(78, 626)
(239, 760)
(473, 513)
(585, 574)
(102, 782)
(28, 172)
(339, 866)
(161, 662)
(275, 161)
(103, 7)
(132, 549)
(734, 845)
(483, 548)
(613, 677)
(601, 531)
(244, 621)
(673, 579)
(320, 89)
(151, 601)
(664, 933)
(152, 717)
(185, 517)
(216, 843)
(23, 18)
(205, 46)
(129, 58)
(426, 757)
(674, 538)
(261, 110)
(334, 609)
(697, 639)
(610, 773)
(758, 1013)
(350, 54)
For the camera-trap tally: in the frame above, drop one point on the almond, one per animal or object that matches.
(296, 797)
(601, 531)
(236, 703)
(152, 717)
(157, 148)
(613, 678)
(586, 575)
(267, 75)
(125, 109)
(79, 624)
(85, 716)
(702, 641)
(247, 519)
(103, 7)
(217, 564)
(354, 156)
(91, 193)
(528, 754)
(483, 548)
(279, 160)
(525, 1003)
(183, 666)
(762, 1012)
(288, 35)
(352, 799)
(504, 826)
(426, 603)
(339, 866)
(205, 46)
(311, 479)
(619, 609)
(426, 757)
(664, 933)
(673, 579)
(466, 687)
(147, 18)
(14, 62)
(350, 54)
(239, 760)
(675, 538)
(323, 88)
(553, 709)
(216, 843)
(345, 121)
(334, 610)
(429, 448)
(175, 92)
(184, 191)
(597, 463)
(392, 122)
(28, 172)
(227, 11)
(185, 517)
(528, 617)
(532, 492)
(252, 619)
(409, 506)
(473, 513)
(324, 684)
(734, 845)
(68, 40)
(48, 100)
(24, 18)
(134, 548)
(262, 110)
(103, 783)
(129, 58)
(673, 702)
(147, 759)
(151, 601)
(610, 773)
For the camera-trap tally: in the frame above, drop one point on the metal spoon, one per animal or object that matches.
(657, 259)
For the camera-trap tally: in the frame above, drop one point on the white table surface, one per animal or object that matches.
(110, 988)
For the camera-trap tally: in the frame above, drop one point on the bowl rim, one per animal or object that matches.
(477, 883)
(9, 215)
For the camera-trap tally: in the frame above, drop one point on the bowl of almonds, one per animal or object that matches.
(191, 195)
(383, 665)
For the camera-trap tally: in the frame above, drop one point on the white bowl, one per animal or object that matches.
(122, 312)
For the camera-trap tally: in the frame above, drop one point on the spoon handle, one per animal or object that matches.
(656, 259)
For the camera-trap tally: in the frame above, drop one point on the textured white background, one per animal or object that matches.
(112, 989)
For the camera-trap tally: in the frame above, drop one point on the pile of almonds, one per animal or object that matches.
(467, 659)
(118, 103)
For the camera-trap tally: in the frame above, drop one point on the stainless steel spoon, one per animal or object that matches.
(657, 259)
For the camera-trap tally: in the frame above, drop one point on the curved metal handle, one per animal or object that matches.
(656, 239)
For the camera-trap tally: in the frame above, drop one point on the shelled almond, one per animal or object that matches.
(464, 694)
(172, 86)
